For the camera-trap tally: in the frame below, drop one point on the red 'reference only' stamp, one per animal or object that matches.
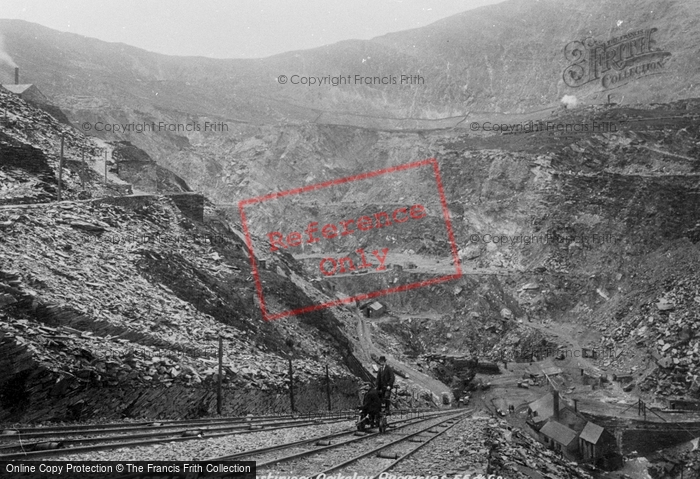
(326, 219)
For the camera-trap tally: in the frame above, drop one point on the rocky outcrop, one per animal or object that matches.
(136, 167)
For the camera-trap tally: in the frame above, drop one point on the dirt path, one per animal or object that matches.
(421, 265)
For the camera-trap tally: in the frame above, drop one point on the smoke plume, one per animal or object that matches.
(569, 101)
(5, 57)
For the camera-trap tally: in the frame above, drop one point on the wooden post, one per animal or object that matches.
(221, 367)
(60, 170)
(328, 388)
(291, 385)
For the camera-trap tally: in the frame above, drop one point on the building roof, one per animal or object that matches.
(18, 89)
(376, 306)
(592, 432)
(537, 371)
(552, 371)
(559, 433)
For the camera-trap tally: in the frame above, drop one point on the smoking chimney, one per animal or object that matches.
(555, 404)
(16, 75)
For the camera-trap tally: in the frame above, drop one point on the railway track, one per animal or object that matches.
(63, 440)
(74, 430)
(350, 452)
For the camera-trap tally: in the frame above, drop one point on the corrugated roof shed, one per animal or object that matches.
(592, 432)
(559, 433)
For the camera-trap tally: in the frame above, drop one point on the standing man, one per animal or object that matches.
(385, 381)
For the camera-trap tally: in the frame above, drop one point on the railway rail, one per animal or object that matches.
(378, 452)
(80, 439)
(62, 440)
(87, 429)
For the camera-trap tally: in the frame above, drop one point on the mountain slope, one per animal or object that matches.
(112, 307)
(505, 57)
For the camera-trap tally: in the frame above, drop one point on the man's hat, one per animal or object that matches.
(382, 358)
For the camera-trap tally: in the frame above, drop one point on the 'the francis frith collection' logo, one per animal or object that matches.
(616, 61)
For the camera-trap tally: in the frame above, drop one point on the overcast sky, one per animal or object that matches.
(233, 28)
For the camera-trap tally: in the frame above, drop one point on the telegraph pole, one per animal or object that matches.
(328, 388)
(218, 389)
(291, 385)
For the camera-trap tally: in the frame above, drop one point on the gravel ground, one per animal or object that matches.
(460, 450)
(320, 461)
(201, 449)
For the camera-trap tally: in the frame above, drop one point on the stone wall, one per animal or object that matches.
(642, 438)
(653, 437)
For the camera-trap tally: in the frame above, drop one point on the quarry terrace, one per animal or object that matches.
(330, 230)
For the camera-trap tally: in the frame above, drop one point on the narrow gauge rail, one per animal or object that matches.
(100, 443)
(321, 444)
(378, 456)
(9, 432)
(34, 433)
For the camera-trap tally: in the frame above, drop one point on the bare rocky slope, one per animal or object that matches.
(112, 305)
(599, 230)
(607, 194)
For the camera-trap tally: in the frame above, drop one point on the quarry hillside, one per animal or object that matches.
(110, 303)
(569, 226)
